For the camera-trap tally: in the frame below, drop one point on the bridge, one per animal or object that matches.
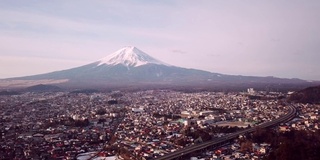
(189, 149)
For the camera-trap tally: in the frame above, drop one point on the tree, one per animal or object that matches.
(246, 146)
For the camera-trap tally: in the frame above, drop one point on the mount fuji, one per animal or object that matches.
(130, 66)
(129, 56)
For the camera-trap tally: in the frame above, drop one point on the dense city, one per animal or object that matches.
(141, 125)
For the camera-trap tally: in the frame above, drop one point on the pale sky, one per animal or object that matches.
(241, 37)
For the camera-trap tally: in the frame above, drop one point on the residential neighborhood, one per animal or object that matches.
(139, 125)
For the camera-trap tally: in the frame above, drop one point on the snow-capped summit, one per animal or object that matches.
(129, 56)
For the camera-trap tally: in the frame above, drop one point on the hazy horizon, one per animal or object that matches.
(255, 38)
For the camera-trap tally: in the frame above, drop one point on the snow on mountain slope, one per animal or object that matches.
(129, 56)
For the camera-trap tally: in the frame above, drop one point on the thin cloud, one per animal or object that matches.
(179, 51)
(245, 38)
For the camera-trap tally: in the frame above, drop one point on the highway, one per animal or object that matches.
(189, 149)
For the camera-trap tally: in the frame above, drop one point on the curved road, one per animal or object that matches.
(291, 114)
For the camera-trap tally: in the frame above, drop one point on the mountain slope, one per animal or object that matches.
(308, 95)
(43, 88)
(131, 66)
(126, 65)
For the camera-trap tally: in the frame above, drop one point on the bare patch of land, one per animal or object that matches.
(27, 83)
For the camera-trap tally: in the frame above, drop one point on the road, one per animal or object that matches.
(107, 143)
(189, 149)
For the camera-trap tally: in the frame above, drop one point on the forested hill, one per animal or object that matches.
(308, 95)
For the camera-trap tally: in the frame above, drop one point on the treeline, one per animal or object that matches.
(68, 122)
(292, 145)
(169, 116)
